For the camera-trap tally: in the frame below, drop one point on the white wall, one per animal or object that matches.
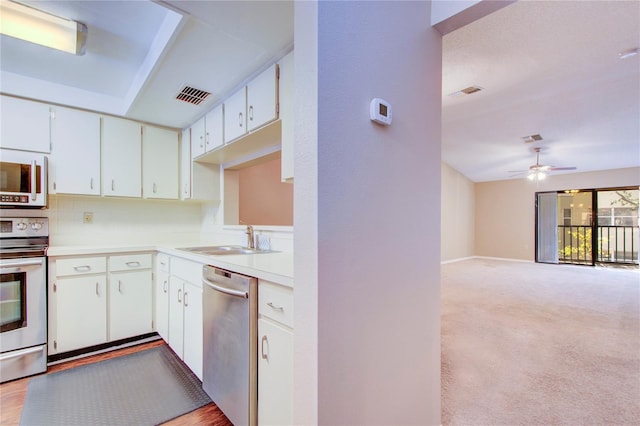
(457, 232)
(505, 210)
(378, 315)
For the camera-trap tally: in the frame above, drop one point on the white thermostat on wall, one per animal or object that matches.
(380, 111)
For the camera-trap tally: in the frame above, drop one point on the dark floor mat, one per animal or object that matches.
(144, 388)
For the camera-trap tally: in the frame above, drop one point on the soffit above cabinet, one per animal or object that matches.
(141, 54)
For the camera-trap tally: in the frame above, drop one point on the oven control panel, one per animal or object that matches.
(24, 227)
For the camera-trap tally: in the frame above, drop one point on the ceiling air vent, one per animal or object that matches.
(192, 95)
(531, 138)
(466, 91)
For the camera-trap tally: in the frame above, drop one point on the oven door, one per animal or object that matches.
(23, 320)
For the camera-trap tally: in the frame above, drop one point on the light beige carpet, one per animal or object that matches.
(535, 344)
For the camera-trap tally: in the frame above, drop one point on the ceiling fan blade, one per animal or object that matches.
(518, 173)
(561, 168)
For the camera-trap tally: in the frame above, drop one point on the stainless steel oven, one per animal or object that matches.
(23, 179)
(23, 297)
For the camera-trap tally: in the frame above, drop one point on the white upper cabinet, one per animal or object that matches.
(286, 88)
(185, 164)
(160, 163)
(74, 135)
(198, 133)
(24, 125)
(235, 115)
(121, 157)
(214, 128)
(262, 98)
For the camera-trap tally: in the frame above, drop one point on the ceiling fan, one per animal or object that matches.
(538, 171)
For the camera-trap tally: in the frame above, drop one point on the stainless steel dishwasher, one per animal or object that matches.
(230, 370)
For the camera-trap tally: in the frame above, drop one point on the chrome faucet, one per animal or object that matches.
(250, 239)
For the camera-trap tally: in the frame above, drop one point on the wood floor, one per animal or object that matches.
(12, 394)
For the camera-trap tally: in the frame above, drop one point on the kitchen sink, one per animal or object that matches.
(224, 250)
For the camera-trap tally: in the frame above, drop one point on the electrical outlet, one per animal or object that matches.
(87, 217)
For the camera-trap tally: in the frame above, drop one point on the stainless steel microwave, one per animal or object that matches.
(23, 179)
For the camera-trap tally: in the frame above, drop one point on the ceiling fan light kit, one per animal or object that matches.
(538, 172)
(35, 26)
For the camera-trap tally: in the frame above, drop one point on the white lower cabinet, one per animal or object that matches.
(192, 344)
(81, 314)
(185, 312)
(275, 354)
(162, 296)
(130, 313)
(91, 303)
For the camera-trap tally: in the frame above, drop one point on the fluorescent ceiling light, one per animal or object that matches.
(36, 26)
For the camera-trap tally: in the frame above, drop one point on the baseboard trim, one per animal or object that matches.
(505, 259)
(102, 348)
(459, 259)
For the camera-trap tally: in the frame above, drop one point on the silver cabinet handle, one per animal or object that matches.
(33, 179)
(185, 189)
(240, 119)
(186, 301)
(133, 264)
(119, 286)
(164, 286)
(113, 185)
(82, 268)
(97, 289)
(155, 188)
(91, 183)
(274, 307)
(206, 138)
(264, 354)
(250, 112)
(179, 293)
(201, 141)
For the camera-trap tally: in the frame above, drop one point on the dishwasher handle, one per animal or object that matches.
(225, 290)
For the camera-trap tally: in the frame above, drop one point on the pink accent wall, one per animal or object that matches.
(264, 199)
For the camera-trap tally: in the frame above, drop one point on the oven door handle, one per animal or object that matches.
(19, 264)
(23, 352)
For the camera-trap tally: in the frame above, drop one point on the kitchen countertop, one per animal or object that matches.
(276, 267)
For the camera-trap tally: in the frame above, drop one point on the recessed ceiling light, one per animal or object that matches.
(466, 91)
(628, 53)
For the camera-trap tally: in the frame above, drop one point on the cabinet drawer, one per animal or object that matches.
(187, 270)
(275, 302)
(81, 266)
(129, 262)
(163, 262)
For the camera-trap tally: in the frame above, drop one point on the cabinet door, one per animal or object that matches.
(192, 302)
(262, 98)
(81, 312)
(235, 115)
(286, 115)
(75, 136)
(130, 304)
(121, 157)
(162, 305)
(275, 374)
(185, 165)
(198, 138)
(160, 162)
(214, 128)
(176, 319)
(24, 125)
